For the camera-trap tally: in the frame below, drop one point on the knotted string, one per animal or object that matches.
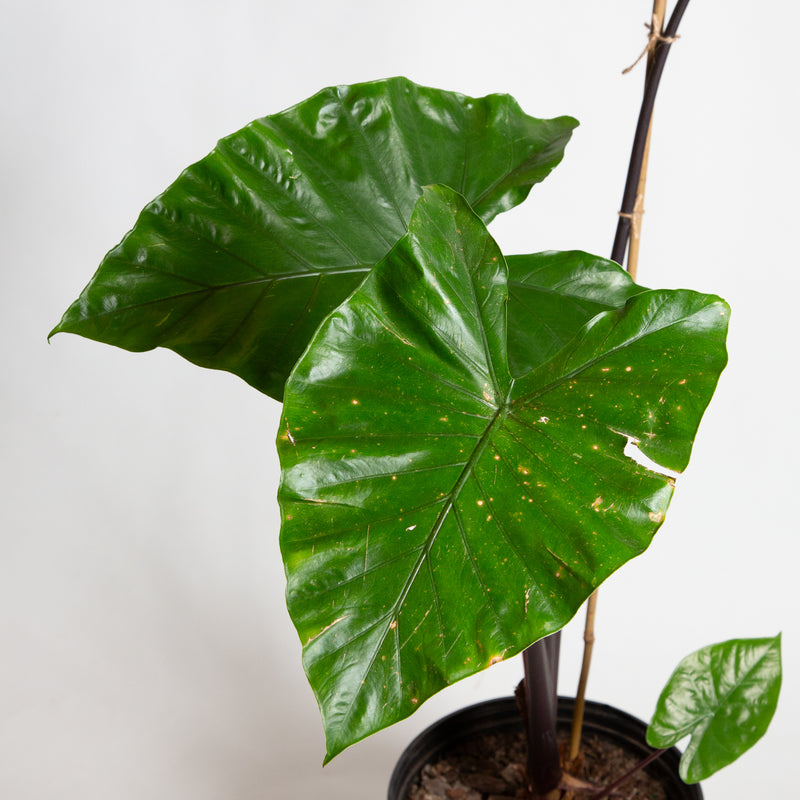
(653, 39)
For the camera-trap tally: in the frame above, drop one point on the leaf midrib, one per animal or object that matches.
(269, 279)
(447, 507)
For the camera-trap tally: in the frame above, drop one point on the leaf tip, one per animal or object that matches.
(60, 328)
(332, 749)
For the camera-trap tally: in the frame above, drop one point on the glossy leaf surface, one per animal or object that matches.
(439, 515)
(723, 696)
(235, 265)
(552, 295)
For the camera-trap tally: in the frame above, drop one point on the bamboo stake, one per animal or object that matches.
(659, 12)
(660, 44)
(580, 697)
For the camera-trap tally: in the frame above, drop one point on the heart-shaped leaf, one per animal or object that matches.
(439, 515)
(235, 265)
(724, 696)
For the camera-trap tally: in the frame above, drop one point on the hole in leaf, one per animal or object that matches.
(633, 452)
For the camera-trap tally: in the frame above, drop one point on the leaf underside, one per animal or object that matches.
(724, 696)
(440, 514)
(235, 265)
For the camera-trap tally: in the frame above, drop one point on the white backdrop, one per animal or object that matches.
(145, 651)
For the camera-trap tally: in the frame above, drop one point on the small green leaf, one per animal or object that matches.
(724, 696)
(440, 515)
(235, 265)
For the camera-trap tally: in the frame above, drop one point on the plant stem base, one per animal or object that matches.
(499, 720)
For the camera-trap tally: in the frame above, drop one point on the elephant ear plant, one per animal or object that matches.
(456, 427)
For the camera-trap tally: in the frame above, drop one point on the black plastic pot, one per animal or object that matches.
(601, 720)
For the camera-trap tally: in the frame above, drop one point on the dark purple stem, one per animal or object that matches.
(640, 138)
(641, 765)
(540, 662)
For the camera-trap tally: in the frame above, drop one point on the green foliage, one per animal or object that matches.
(236, 264)
(723, 696)
(551, 296)
(440, 515)
(456, 476)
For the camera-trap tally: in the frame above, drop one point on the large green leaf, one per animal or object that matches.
(552, 295)
(235, 265)
(724, 696)
(439, 515)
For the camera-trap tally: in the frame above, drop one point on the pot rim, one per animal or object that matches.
(600, 719)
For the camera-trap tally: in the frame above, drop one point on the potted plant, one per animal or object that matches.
(458, 424)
